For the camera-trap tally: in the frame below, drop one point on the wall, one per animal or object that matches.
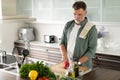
(108, 44)
(8, 34)
(48, 29)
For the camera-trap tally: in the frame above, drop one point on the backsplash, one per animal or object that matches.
(109, 42)
(9, 34)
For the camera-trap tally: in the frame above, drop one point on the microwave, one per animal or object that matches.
(49, 38)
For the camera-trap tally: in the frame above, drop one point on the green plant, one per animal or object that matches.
(42, 70)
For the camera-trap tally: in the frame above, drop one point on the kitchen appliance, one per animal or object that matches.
(49, 38)
(26, 34)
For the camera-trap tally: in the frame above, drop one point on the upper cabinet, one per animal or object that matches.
(93, 9)
(7, 8)
(15, 9)
(61, 10)
(111, 10)
(24, 7)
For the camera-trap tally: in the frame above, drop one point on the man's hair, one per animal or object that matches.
(79, 4)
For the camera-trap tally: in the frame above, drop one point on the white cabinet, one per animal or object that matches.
(61, 10)
(111, 10)
(24, 7)
(7, 8)
(14, 9)
(93, 9)
(45, 52)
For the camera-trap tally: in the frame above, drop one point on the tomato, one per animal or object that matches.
(40, 79)
(45, 78)
(66, 65)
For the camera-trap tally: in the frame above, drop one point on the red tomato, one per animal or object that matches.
(40, 79)
(66, 65)
(45, 78)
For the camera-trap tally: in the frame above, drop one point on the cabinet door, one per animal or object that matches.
(61, 10)
(42, 9)
(111, 10)
(45, 53)
(8, 7)
(24, 7)
(93, 9)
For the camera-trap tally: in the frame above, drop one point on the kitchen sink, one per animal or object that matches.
(8, 59)
(3, 66)
(12, 69)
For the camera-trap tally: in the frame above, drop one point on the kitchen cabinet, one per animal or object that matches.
(111, 10)
(42, 51)
(52, 9)
(51, 53)
(98, 10)
(15, 9)
(45, 52)
(94, 11)
(24, 7)
(8, 8)
(106, 61)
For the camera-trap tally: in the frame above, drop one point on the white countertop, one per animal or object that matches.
(38, 43)
(56, 45)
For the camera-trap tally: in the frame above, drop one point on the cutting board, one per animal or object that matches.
(58, 68)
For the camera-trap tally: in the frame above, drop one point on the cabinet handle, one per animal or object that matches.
(46, 49)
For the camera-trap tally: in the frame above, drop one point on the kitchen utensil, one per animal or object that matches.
(20, 57)
(17, 56)
(25, 53)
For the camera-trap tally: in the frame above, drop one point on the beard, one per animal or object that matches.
(78, 21)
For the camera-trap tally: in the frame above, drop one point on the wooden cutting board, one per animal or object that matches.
(58, 68)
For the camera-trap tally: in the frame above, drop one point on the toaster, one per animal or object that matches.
(49, 38)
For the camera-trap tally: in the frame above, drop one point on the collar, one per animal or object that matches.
(82, 24)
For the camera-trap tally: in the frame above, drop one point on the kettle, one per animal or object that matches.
(26, 34)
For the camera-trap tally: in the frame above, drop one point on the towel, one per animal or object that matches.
(86, 29)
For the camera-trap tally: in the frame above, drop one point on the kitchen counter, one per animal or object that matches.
(96, 74)
(56, 45)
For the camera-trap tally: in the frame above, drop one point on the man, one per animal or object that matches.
(79, 39)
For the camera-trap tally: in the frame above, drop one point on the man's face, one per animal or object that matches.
(79, 15)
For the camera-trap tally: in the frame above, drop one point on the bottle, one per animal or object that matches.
(70, 72)
(76, 69)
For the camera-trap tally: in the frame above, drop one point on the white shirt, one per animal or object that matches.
(72, 40)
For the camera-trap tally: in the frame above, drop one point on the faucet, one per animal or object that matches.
(3, 53)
